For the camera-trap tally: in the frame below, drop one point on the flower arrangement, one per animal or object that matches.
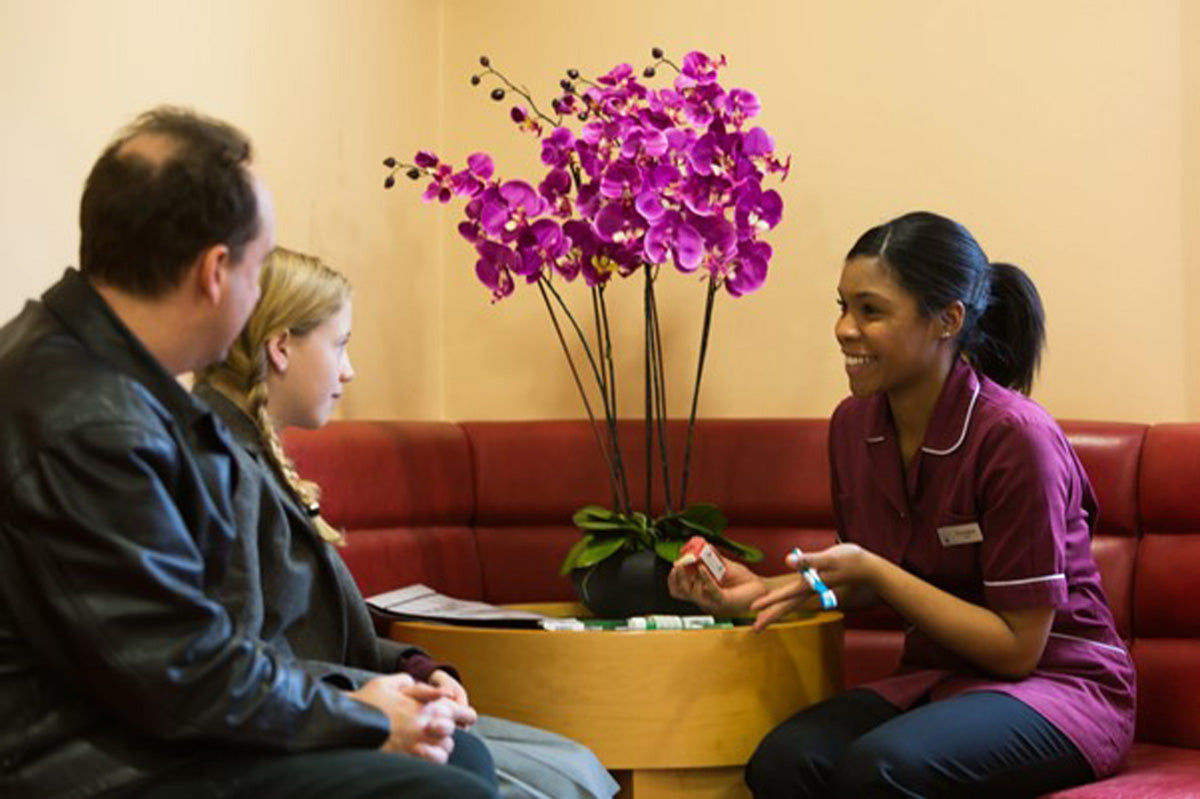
(653, 181)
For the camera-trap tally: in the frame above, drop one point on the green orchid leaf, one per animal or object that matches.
(668, 550)
(746, 552)
(603, 522)
(569, 562)
(607, 527)
(709, 516)
(597, 551)
(671, 526)
(689, 527)
(593, 513)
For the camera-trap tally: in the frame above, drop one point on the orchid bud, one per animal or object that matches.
(413, 173)
(648, 72)
(474, 80)
(484, 61)
(389, 181)
(657, 52)
(389, 162)
(573, 74)
(497, 94)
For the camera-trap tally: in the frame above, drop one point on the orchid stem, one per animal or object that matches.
(546, 285)
(582, 393)
(687, 451)
(647, 384)
(616, 464)
(660, 391)
(521, 90)
(611, 401)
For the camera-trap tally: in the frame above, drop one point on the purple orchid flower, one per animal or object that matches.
(720, 243)
(750, 271)
(742, 104)
(706, 154)
(650, 205)
(643, 141)
(470, 231)
(621, 179)
(504, 208)
(705, 195)
(618, 222)
(480, 165)
(539, 245)
(672, 237)
(702, 104)
(554, 189)
(557, 147)
(757, 142)
(660, 176)
(494, 268)
(699, 70)
(757, 210)
(671, 175)
(665, 101)
(464, 183)
(618, 74)
(582, 245)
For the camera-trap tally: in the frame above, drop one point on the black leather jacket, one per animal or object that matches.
(128, 640)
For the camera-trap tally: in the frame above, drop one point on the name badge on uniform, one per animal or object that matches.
(958, 534)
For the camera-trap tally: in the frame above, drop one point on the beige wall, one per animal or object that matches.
(325, 89)
(1066, 134)
(1190, 173)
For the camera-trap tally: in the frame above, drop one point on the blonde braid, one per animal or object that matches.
(306, 491)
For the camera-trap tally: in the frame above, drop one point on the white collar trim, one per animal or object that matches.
(963, 435)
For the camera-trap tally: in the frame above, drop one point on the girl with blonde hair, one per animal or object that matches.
(289, 368)
(301, 324)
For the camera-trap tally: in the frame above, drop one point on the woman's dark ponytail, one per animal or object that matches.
(939, 262)
(1012, 330)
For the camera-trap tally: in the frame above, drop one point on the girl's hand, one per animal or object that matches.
(452, 690)
(692, 582)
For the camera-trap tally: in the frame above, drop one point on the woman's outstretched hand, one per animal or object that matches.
(842, 566)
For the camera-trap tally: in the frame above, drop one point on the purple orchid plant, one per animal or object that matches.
(653, 181)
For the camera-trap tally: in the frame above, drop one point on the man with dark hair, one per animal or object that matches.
(130, 664)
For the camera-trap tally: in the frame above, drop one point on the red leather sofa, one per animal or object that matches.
(482, 510)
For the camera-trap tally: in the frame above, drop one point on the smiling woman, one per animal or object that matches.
(960, 504)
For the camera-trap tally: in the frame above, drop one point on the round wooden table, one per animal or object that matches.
(671, 713)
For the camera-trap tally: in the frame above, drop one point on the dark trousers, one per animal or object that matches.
(341, 773)
(858, 745)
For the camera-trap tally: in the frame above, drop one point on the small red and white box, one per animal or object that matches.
(703, 552)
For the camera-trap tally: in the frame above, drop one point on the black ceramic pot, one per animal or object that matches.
(629, 584)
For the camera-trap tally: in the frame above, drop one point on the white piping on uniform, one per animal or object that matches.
(1025, 581)
(1120, 649)
(876, 439)
(963, 436)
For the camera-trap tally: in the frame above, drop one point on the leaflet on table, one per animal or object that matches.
(423, 603)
